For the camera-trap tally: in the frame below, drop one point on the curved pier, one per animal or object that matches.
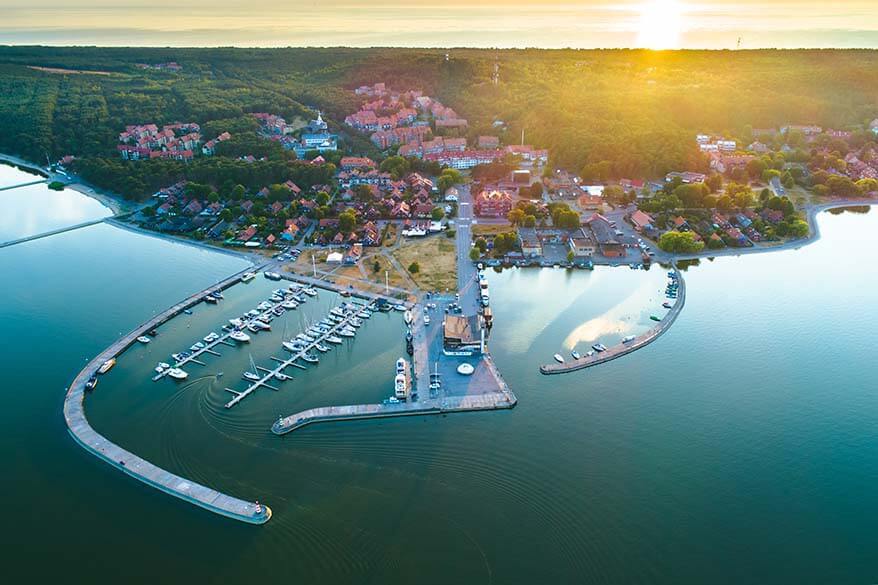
(618, 351)
(95, 443)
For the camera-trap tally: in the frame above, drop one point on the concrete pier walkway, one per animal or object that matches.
(618, 351)
(62, 230)
(10, 187)
(136, 467)
(469, 403)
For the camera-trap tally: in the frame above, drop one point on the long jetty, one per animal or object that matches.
(622, 349)
(10, 187)
(136, 467)
(284, 364)
(55, 232)
(468, 403)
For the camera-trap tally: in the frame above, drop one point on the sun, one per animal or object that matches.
(661, 23)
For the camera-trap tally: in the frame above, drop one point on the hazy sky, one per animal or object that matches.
(432, 23)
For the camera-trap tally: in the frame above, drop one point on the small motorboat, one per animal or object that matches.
(304, 337)
(289, 305)
(253, 328)
(177, 374)
(667, 305)
(408, 317)
(239, 336)
(347, 333)
(310, 358)
(334, 339)
(558, 358)
(293, 347)
(92, 382)
(152, 332)
(211, 299)
(198, 345)
(247, 277)
(599, 347)
(187, 311)
(589, 353)
(575, 354)
(628, 338)
(252, 376)
(426, 319)
(321, 348)
(107, 366)
(399, 307)
(311, 292)
(655, 318)
(143, 339)
(262, 325)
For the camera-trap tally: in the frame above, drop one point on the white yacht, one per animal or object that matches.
(252, 328)
(311, 292)
(262, 325)
(400, 387)
(628, 338)
(559, 358)
(575, 354)
(143, 339)
(239, 336)
(304, 337)
(321, 348)
(289, 305)
(264, 306)
(334, 339)
(346, 333)
(236, 322)
(252, 376)
(310, 358)
(401, 366)
(248, 276)
(177, 374)
(293, 347)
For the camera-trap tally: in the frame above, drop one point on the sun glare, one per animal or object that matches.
(661, 23)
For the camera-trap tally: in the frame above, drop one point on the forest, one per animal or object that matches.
(604, 113)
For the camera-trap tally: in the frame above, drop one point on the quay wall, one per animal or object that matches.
(136, 467)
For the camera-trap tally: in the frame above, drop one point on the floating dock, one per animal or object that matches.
(618, 351)
(284, 364)
(136, 467)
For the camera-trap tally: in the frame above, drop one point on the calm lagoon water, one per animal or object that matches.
(739, 448)
(36, 209)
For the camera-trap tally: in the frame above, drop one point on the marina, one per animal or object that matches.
(298, 352)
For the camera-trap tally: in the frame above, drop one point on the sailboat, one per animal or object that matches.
(253, 374)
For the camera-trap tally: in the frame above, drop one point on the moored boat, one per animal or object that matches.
(177, 374)
(628, 338)
(575, 354)
(239, 336)
(558, 358)
(143, 339)
(107, 366)
(92, 382)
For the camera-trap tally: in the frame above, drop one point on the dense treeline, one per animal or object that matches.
(607, 114)
(134, 179)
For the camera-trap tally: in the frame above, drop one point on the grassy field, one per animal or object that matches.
(490, 229)
(436, 258)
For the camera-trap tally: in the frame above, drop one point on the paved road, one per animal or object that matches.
(466, 271)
